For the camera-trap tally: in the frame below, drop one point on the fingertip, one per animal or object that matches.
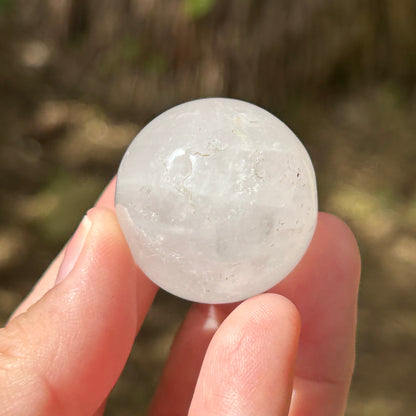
(337, 238)
(106, 241)
(339, 227)
(268, 311)
(284, 310)
(251, 356)
(108, 247)
(48, 280)
(103, 216)
(106, 199)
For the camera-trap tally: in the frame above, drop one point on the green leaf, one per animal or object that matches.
(196, 9)
(130, 49)
(5, 5)
(156, 64)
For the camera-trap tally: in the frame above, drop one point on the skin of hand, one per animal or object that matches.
(288, 352)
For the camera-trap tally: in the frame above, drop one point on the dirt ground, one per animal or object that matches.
(63, 132)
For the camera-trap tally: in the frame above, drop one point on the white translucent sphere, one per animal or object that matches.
(217, 200)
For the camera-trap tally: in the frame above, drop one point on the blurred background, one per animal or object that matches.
(79, 79)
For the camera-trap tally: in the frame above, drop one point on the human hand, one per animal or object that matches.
(67, 343)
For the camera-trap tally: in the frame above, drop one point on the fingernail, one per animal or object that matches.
(73, 249)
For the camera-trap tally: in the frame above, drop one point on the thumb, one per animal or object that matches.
(65, 353)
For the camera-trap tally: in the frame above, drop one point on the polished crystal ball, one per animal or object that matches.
(217, 200)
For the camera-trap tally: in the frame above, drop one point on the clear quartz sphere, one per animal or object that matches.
(217, 200)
